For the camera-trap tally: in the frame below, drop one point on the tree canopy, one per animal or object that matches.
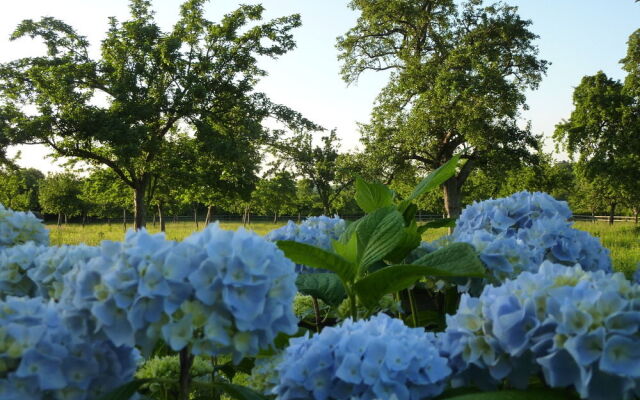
(458, 72)
(123, 109)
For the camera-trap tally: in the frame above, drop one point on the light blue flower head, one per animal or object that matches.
(379, 358)
(516, 233)
(43, 358)
(20, 227)
(579, 328)
(316, 231)
(217, 292)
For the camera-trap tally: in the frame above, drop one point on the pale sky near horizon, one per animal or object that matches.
(578, 37)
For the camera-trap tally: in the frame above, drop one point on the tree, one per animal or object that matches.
(19, 188)
(598, 132)
(458, 76)
(153, 83)
(61, 194)
(276, 195)
(105, 195)
(321, 165)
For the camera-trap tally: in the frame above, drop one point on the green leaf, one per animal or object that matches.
(435, 179)
(410, 240)
(326, 286)
(530, 394)
(236, 391)
(348, 249)
(315, 257)
(439, 223)
(378, 234)
(230, 369)
(409, 213)
(371, 196)
(457, 260)
(125, 391)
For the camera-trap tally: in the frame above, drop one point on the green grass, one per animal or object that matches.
(623, 238)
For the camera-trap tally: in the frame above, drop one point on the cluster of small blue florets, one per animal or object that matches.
(379, 358)
(580, 328)
(34, 270)
(42, 358)
(20, 227)
(217, 291)
(516, 233)
(316, 231)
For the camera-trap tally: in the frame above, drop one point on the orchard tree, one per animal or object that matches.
(19, 188)
(60, 194)
(276, 195)
(458, 76)
(106, 195)
(118, 110)
(598, 132)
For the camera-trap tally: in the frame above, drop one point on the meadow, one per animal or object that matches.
(622, 238)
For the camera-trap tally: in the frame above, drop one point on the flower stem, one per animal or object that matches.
(186, 360)
(316, 310)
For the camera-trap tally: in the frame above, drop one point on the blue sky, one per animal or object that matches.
(578, 37)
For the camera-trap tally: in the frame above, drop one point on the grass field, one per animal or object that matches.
(623, 238)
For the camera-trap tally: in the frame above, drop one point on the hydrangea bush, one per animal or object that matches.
(217, 291)
(20, 227)
(36, 270)
(42, 358)
(316, 231)
(517, 233)
(580, 328)
(377, 358)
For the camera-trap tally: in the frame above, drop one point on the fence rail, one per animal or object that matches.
(594, 218)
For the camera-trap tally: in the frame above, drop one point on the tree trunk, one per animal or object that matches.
(124, 219)
(66, 219)
(636, 211)
(140, 210)
(612, 212)
(275, 218)
(161, 218)
(59, 219)
(109, 222)
(299, 217)
(209, 216)
(452, 197)
(154, 220)
(84, 219)
(195, 216)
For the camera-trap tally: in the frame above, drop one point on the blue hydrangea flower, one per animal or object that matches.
(20, 227)
(217, 291)
(374, 359)
(34, 270)
(316, 231)
(581, 329)
(516, 233)
(43, 358)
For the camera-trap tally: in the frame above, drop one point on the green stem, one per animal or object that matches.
(186, 360)
(354, 308)
(412, 303)
(316, 310)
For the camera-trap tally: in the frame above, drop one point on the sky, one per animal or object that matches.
(578, 37)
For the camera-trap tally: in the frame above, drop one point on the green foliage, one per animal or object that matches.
(198, 78)
(19, 188)
(61, 194)
(324, 286)
(459, 72)
(365, 256)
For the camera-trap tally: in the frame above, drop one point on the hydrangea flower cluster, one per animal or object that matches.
(316, 231)
(20, 227)
(377, 358)
(33, 270)
(217, 291)
(516, 233)
(580, 328)
(42, 358)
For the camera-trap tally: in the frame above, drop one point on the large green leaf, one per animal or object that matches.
(235, 391)
(378, 234)
(347, 249)
(411, 239)
(326, 286)
(371, 196)
(457, 260)
(315, 257)
(435, 179)
(530, 394)
(125, 391)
